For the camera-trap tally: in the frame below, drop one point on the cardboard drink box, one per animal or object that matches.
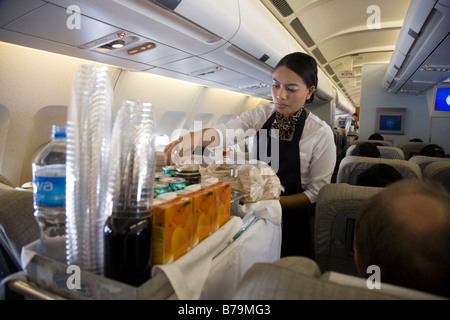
(212, 201)
(172, 229)
(223, 198)
(203, 213)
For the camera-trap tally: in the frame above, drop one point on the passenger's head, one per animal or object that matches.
(405, 231)
(376, 136)
(433, 150)
(415, 140)
(366, 149)
(378, 175)
(354, 116)
(289, 68)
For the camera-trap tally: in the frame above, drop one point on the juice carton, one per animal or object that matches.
(172, 229)
(223, 197)
(211, 184)
(203, 213)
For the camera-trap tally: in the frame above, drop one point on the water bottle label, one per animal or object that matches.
(50, 191)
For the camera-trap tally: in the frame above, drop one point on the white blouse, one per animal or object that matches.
(317, 147)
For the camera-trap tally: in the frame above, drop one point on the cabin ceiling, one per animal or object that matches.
(343, 35)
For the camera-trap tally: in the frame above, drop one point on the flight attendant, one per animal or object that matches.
(299, 145)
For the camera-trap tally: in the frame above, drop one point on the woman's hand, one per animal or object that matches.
(175, 150)
(168, 151)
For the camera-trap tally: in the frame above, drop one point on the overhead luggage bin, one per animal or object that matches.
(325, 91)
(420, 58)
(343, 104)
(233, 44)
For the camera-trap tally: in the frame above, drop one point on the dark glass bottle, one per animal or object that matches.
(127, 232)
(127, 239)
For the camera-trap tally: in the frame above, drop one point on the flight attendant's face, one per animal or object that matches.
(289, 92)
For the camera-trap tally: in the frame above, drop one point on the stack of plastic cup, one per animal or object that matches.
(133, 157)
(89, 124)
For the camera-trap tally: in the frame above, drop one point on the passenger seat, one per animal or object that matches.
(299, 278)
(424, 161)
(18, 228)
(412, 148)
(351, 166)
(336, 209)
(439, 171)
(382, 142)
(385, 151)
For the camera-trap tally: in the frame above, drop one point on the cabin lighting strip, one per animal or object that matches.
(441, 68)
(144, 47)
(256, 86)
(207, 71)
(103, 40)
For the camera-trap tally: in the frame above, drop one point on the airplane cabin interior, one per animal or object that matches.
(200, 64)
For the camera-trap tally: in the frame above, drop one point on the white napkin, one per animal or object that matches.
(188, 274)
(267, 209)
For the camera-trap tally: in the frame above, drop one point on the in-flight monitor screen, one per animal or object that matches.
(442, 102)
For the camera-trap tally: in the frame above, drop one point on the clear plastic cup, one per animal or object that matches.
(88, 141)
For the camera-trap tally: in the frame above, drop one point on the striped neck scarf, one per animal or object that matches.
(286, 125)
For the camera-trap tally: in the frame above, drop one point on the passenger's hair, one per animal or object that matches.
(415, 140)
(433, 150)
(304, 65)
(408, 252)
(355, 114)
(366, 149)
(376, 136)
(378, 175)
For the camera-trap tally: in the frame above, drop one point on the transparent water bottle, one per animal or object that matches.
(49, 192)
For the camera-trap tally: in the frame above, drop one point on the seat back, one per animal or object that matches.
(424, 161)
(5, 182)
(385, 151)
(411, 148)
(439, 171)
(336, 209)
(18, 228)
(299, 278)
(383, 142)
(351, 166)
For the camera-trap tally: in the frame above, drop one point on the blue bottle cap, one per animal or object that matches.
(58, 131)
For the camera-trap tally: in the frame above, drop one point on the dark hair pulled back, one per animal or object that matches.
(304, 65)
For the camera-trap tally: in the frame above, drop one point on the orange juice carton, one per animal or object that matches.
(203, 214)
(223, 194)
(211, 185)
(172, 229)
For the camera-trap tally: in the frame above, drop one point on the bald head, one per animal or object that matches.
(405, 230)
(418, 212)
